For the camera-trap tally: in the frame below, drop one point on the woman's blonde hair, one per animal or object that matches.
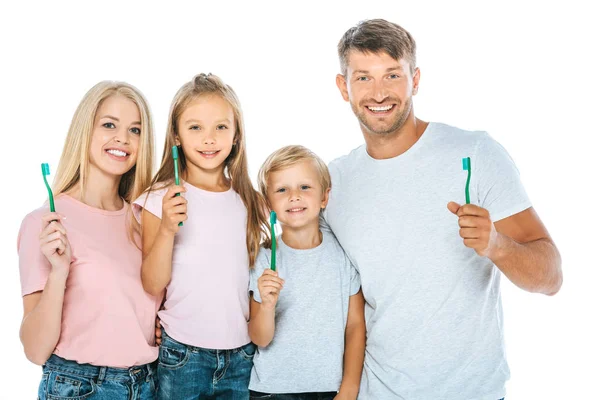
(73, 167)
(284, 158)
(236, 164)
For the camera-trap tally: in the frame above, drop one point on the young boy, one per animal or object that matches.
(307, 317)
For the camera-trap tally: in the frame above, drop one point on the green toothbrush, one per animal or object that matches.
(273, 239)
(467, 167)
(176, 165)
(46, 172)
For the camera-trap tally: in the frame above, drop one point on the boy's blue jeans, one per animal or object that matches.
(188, 372)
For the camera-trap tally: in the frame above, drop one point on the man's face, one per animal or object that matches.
(379, 89)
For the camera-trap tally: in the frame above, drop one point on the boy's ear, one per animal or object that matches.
(325, 198)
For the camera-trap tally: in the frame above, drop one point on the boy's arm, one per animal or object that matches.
(262, 323)
(354, 349)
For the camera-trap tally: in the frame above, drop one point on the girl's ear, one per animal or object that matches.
(177, 142)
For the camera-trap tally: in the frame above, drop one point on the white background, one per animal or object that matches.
(526, 73)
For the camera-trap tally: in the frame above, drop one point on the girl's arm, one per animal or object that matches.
(158, 237)
(42, 311)
(354, 351)
(262, 315)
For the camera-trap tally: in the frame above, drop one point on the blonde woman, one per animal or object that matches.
(87, 319)
(205, 352)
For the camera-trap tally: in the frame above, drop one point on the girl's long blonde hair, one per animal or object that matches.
(74, 162)
(236, 164)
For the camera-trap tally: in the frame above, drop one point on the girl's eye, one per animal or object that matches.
(221, 127)
(136, 131)
(109, 125)
(280, 190)
(195, 127)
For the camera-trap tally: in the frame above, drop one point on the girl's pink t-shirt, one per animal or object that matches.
(207, 302)
(108, 319)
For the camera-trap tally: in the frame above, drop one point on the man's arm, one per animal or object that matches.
(519, 245)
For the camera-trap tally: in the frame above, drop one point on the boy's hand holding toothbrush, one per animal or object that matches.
(174, 210)
(54, 243)
(269, 286)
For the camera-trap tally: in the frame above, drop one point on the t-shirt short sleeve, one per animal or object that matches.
(151, 202)
(353, 275)
(262, 262)
(497, 179)
(34, 267)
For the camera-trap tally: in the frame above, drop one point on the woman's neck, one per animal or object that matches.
(101, 191)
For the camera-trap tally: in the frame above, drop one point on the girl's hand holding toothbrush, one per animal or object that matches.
(174, 210)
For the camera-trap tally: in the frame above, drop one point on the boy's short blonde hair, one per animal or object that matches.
(285, 158)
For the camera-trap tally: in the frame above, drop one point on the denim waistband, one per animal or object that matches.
(197, 349)
(99, 374)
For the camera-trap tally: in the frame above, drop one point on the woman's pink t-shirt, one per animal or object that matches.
(108, 319)
(207, 299)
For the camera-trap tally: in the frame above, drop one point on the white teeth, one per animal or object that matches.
(296, 209)
(208, 152)
(386, 108)
(117, 153)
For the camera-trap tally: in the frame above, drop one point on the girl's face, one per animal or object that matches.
(206, 130)
(115, 136)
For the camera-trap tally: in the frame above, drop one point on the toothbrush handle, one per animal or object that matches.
(177, 180)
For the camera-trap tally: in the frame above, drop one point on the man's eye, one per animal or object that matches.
(362, 78)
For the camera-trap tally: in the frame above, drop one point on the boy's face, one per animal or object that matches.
(296, 195)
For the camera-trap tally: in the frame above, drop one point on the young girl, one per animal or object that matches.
(86, 316)
(204, 265)
(307, 317)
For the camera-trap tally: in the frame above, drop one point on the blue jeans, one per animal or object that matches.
(293, 396)
(189, 372)
(64, 379)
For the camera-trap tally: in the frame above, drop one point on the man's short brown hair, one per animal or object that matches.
(374, 36)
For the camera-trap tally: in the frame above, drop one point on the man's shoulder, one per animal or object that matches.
(347, 161)
(454, 133)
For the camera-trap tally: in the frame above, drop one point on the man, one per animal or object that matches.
(430, 267)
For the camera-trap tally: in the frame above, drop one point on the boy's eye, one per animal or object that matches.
(109, 125)
(305, 187)
(136, 131)
(222, 127)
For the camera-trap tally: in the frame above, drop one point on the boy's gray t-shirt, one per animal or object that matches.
(433, 307)
(306, 353)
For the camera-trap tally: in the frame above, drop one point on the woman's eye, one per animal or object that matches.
(109, 125)
(136, 131)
